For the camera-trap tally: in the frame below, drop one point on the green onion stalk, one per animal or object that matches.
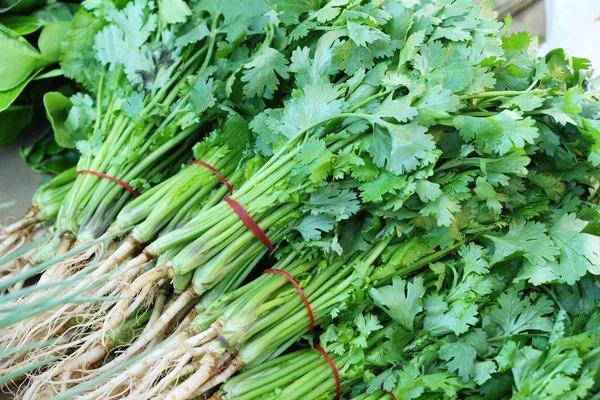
(171, 202)
(165, 102)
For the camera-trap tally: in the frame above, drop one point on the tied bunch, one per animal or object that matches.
(361, 199)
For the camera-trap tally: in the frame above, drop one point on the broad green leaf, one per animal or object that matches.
(19, 59)
(13, 121)
(51, 38)
(57, 110)
(47, 157)
(21, 24)
(26, 24)
(7, 97)
(19, 6)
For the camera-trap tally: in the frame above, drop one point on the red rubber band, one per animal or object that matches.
(215, 172)
(311, 316)
(392, 395)
(249, 222)
(336, 375)
(119, 182)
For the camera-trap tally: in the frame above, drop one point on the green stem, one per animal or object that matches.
(500, 93)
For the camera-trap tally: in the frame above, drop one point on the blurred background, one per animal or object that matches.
(571, 24)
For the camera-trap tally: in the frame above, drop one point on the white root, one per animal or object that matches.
(29, 219)
(147, 337)
(157, 309)
(48, 325)
(181, 369)
(17, 265)
(92, 351)
(208, 367)
(121, 310)
(8, 243)
(140, 368)
(234, 367)
(173, 354)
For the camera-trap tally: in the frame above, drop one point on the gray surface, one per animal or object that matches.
(17, 183)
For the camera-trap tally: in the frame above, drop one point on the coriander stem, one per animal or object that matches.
(499, 93)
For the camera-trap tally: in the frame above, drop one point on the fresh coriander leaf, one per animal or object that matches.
(516, 315)
(261, 74)
(498, 134)
(401, 300)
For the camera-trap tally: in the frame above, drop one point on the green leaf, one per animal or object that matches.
(525, 102)
(173, 11)
(340, 204)
(57, 110)
(261, 74)
(409, 50)
(385, 182)
(51, 39)
(515, 315)
(19, 6)
(460, 357)
(443, 208)
(436, 103)
(484, 371)
(498, 134)
(19, 60)
(527, 239)
(133, 105)
(579, 252)
(401, 300)
(591, 129)
(364, 34)
(367, 324)
(12, 121)
(312, 104)
(400, 109)
(311, 227)
(441, 319)
(428, 191)
(201, 95)
(402, 148)
(26, 24)
(47, 157)
(7, 97)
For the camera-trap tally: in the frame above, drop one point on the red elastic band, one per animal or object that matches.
(392, 395)
(215, 172)
(311, 317)
(336, 375)
(112, 179)
(249, 222)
